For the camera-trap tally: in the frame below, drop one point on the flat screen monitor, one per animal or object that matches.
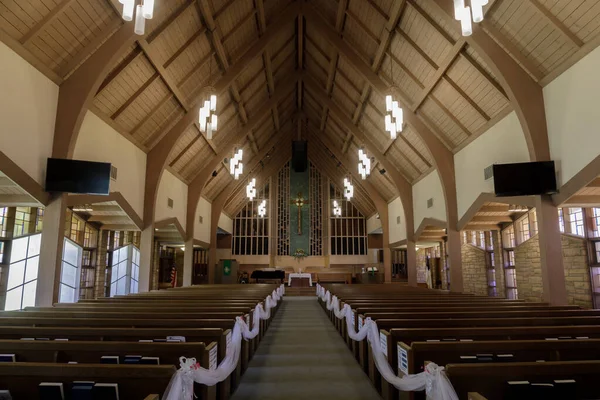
(77, 176)
(525, 179)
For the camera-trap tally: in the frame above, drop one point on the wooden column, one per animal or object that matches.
(146, 253)
(51, 252)
(454, 259)
(553, 272)
(188, 261)
(411, 262)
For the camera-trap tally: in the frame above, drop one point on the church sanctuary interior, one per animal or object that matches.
(299, 199)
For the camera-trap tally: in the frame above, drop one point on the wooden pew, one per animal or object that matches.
(489, 380)
(412, 359)
(62, 352)
(135, 382)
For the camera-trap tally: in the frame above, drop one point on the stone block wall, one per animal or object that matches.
(99, 284)
(499, 262)
(474, 270)
(577, 272)
(421, 267)
(529, 270)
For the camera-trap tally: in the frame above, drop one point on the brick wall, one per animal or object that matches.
(473, 270)
(577, 273)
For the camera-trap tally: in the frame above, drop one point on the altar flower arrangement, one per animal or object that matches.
(299, 254)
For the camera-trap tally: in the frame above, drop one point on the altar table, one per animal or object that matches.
(302, 276)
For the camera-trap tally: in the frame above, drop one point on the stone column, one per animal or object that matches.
(553, 272)
(51, 252)
(444, 261)
(155, 266)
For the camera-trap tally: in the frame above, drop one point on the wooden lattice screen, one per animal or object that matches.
(349, 231)
(251, 232)
(283, 211)
(316, 211)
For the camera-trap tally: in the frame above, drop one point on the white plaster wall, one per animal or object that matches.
(397, 231)
(573, 116)
(99, 142)
(427, 188)
(374, 224)
(171, 187)
(202, 230)
(502, 143)
(28, 102)
(225, 223)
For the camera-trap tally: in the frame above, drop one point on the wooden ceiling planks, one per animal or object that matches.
(453, 90)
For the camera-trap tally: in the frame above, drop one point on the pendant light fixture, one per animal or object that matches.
(143, 11)
(468, 14)
(236, 166)
(262, 209)
(394, 117)
(337, 210)
(251, 189)
(348, 189)
(364, 164)
(207, 118)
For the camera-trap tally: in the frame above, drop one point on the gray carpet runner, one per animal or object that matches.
(303, 357)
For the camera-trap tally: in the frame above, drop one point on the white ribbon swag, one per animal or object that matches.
(433, 380)
(181, 386)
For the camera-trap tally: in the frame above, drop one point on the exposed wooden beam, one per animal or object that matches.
(562, 28)
(171, 84)
(137, 93)
(494, 209)
(131, 57)
(184, 47)
(482, 227)
(18, 200)
(513, 50)
(441, 71)
(468, 98)
(584, 201)
(595, 183)
(496, 219)
(300, 42)
(47, 20)
(413, 148)
(187, 4)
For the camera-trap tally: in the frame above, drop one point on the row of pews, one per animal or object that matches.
(491, 348)
(126, 344)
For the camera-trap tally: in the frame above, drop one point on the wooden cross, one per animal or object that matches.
(299, 202)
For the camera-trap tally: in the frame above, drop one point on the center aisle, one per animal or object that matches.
(303, 357)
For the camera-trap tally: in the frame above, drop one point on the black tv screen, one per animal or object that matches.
(76, 176)
(524, 179)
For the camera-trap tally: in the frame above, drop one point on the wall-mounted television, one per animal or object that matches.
(524, 179)
(77, 176)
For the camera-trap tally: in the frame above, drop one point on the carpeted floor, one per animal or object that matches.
(303, 357)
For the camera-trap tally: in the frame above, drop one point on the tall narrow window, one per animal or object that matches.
(250, 230)
(348, 232)
(595, 222)
(135, 270)
(576, 221)
(69, 273)
(23, 272)
(118, 284)
(561, 220)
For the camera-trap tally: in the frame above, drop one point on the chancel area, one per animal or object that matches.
(326, 199)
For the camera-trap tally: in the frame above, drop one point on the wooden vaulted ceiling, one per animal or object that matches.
(319, 65)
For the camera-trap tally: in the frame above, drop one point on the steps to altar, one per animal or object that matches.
(300, 291)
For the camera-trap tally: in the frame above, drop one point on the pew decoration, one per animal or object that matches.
(433, 380)
(181, 386)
